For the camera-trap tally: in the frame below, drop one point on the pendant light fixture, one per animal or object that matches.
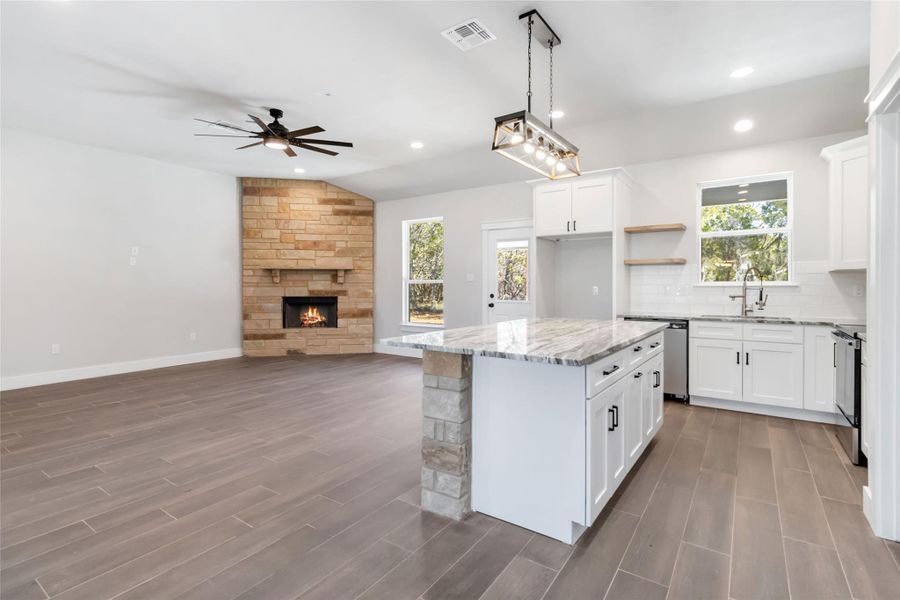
(526, 139)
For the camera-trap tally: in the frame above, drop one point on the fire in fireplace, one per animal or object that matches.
(309, 311)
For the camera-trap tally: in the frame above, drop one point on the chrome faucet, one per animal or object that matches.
(760, 303)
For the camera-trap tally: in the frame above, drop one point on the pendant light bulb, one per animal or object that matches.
(528, 148)
(561, 166)
(540, 154)
(551, 160)
(516, 138)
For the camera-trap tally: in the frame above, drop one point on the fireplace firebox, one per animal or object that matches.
(309, 311)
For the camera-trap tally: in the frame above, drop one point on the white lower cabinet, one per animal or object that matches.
(818, 378)
(606, 456)
(715, 368)
(634, 435)
(773, 374)
(622, 419)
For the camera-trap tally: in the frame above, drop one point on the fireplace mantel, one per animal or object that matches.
(339, 265)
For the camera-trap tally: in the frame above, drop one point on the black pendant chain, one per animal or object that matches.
(529, 63)
(551, 84)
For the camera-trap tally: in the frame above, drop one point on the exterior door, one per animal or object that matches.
(553, 209)
(508, 268)
(773, 374)
(592, 205)
(716, 368)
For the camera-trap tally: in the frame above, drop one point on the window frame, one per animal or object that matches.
(405, 323)
(788, 230)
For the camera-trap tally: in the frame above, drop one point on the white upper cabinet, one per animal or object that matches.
(582, 206)
(592, 210)
(553, 209)
(848, 198)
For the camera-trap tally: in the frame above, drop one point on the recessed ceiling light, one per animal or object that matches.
(299, 170)
(742, 192)
(744, 185)
(417, 145)
(741, 72)
(557, 114)
(743, 125)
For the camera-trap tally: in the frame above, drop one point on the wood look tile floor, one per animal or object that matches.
(297, 478)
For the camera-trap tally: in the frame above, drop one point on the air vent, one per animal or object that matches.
(468, 34)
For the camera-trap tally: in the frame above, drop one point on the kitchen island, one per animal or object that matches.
(536, 421)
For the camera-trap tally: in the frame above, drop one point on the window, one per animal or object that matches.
(423, 272)
(512, 271)
(745, 223)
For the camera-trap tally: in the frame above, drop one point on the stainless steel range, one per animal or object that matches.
(847, 396)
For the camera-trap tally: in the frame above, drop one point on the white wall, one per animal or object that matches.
(884, 37)
(464, 211)
(666, 192)
(70, 216)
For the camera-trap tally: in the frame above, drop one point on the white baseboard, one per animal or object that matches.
(385, 349)
(32, 379)
(764, 409)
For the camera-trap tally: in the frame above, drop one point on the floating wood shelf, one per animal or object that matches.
(634, 262)
(656, 228)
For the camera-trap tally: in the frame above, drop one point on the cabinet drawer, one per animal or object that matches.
(717, 330)
(654, 345)
(764, 332)
(636, 353)
(604, 372)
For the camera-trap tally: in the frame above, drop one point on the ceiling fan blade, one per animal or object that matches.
(223, 135)
(249, 145)
(290, 152)
(262, 125)
(299, 144)
(325, 142)
(305, 131)
(225, 125)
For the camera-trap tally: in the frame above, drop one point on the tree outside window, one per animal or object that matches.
(423, 272)
(742, 226)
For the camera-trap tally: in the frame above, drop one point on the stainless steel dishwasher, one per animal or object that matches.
(675, 384)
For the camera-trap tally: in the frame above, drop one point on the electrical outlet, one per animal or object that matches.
(858, 291)
(193, 336)
(132, 260)
(596, 290)
(470, 277)
(134, 250)
(54, 348)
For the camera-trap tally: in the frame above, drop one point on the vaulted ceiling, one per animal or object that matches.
(638, 80)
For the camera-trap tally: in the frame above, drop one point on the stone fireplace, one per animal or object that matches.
(308, 284)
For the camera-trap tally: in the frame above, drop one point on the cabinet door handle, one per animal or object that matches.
(658, 378)
(611, 371)
(567, 225)
(573, 224)
(613, 426)
(654, 345)
(738, 358)
(747, 358)
(615, 416)
(834, 354)
(638, 375)
(638, 348)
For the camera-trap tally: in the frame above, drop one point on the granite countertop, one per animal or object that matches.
(823, 321)
(572, 342)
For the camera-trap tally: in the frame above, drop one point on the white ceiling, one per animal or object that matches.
(638, 80)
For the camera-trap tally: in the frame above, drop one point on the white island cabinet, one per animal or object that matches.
(560, 410)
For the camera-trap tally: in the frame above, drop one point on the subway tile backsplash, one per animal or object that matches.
(673, 289)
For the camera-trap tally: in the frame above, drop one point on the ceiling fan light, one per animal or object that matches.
(275, 143)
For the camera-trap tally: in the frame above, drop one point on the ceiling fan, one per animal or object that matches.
(276, 136)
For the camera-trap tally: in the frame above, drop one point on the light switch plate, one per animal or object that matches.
(132, 260)
(54, 348)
